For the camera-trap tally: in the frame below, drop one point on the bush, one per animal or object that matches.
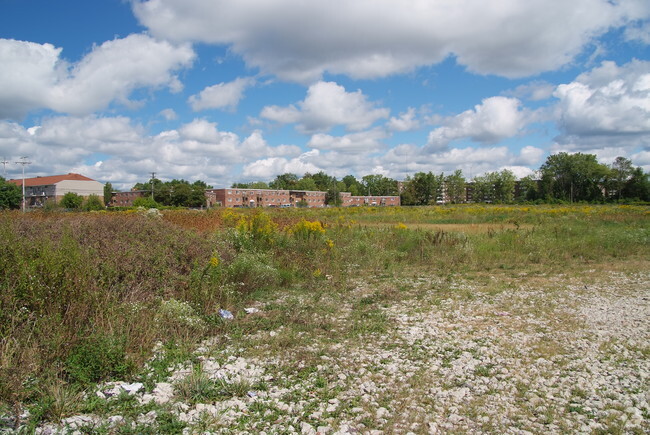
(71, 201)
(10, 195)
(98, 358)
(253, 271)
(93, 203)
(145, 202)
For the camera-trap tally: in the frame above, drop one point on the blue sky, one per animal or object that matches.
(242, 90)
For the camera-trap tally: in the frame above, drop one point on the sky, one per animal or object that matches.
(231, 91)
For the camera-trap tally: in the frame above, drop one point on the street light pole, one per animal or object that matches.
(23, 162)
(4, 171)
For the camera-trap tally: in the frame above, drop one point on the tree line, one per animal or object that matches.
(174, 193)
(563, 177)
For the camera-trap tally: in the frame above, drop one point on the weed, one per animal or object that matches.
(96, 358)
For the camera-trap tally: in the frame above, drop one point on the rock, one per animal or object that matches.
(307, 429)
(148, 418)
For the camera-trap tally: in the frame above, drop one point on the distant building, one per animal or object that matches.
(125, 199)
(237, 197)
(40, 190)
(348, 200)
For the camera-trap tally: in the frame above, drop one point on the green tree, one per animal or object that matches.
(333, 196)
(496, 187)
(157, 184)
(108, 193)
(93, 203)
(455, 184)
(324, 182)
(378, 185)
(11, 195)
(423, 188)
(637, 186)
(284, 182)
(72, 201)
(527, 189)
(483, 190)
(504, 186)
(573, 177)
(306, 183)
(622, 170)
(197, 197)
(352, 185)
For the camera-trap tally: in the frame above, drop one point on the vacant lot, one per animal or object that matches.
(424, 320)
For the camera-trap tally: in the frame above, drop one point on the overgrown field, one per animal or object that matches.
(392, 319)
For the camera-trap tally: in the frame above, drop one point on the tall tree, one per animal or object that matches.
(306, 183)
(352, 185)
(622, 170)
(527, 189)
(504, 186)
(108, 193)
(284, 182)
(638, 186)
(455, 186)
(324, 182)
(423, 188)
(378, 185)
(573, 177)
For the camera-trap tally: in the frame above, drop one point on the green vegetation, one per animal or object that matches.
(72, 201)
(175, 193)
(562, 178)
(85, 297)
(10, 195)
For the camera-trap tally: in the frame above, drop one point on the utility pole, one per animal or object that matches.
(4, 163)
(153, 175)
(23, 161)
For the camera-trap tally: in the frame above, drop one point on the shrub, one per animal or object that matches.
(145, 202)
(71, 201)
(252, 270)
(97, 358)
(93, 203)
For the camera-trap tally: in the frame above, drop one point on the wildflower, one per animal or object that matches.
(214, 261)
(400, 226)
(317, 273)
(329, 243)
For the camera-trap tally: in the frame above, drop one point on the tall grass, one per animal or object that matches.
(84, 297)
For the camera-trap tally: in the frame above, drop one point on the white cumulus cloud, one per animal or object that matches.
(495, 119)
(221, 96)
(34, 76)
(406, 121)
(609, 105)
(327, 105)
(267, 169)
(298, 40)
(353, 143)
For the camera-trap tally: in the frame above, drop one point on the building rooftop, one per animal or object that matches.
(52, 179)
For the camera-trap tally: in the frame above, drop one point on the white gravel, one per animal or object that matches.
(541, 355)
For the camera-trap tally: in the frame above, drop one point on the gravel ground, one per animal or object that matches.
(531, 354)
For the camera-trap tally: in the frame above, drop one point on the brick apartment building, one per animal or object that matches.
(125, 199)
(236, 197)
